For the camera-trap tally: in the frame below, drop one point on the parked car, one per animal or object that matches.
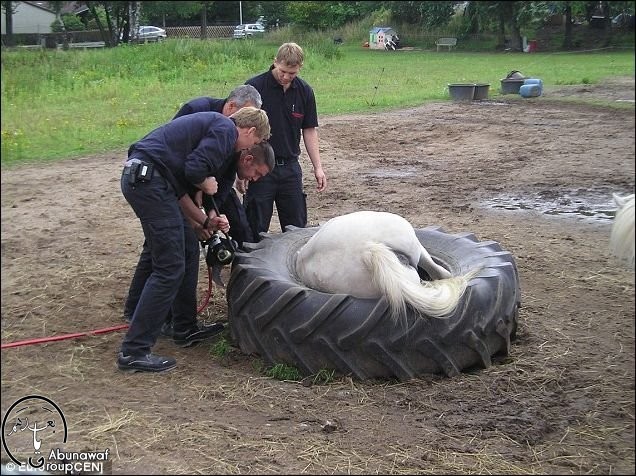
(623, 20)
(151, 33)
(248, 30)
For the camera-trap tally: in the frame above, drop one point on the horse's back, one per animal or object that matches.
(622, 243)
(332, 260)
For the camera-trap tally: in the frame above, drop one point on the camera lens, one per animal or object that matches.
(224, 256)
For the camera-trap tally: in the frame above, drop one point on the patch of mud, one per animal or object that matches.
(594, 205)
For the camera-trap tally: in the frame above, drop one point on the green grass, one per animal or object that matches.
(284, 372)
(65, 104)
(221, 348)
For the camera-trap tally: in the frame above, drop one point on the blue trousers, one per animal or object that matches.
(283, 186)
(240, 231)
(171, 248)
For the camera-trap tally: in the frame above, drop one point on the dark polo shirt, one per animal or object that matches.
(288, 112)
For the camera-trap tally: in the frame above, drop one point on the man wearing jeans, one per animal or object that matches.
(163, 171)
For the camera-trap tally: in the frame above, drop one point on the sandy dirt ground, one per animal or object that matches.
(562, 402)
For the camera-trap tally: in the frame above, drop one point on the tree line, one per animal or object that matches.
(117, 21)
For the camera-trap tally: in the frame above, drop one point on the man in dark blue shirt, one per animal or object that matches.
(291, 107)
(164, 170)
(241, 96)
(232, 207)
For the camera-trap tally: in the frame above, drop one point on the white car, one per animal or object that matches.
(248, 30)
(151, 33)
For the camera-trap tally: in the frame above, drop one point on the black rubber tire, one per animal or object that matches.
(274, 316)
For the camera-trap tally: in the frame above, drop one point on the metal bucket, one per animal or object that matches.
(481, 91)
(461, 92)
(511, 86)
(512, 82)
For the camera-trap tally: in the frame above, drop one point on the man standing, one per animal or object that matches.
(291, 108)
(163, 171)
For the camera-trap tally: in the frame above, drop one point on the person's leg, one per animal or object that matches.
(186, 303)
(259, 203)
(185, 326)
(157, 208)
(184, 306)
(291, 201)
(142, 271)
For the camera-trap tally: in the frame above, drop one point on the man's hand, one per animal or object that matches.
(219, 223)
(321, 179)
(203, 234)
(209, 186)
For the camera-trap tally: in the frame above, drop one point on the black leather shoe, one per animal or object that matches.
(145, 363)
(197, 334)
(167, 330)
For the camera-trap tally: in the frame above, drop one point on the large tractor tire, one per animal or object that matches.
(273, 315)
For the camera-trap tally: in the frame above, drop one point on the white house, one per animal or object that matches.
(30, 17)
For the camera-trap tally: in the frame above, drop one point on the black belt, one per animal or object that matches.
(285, 160)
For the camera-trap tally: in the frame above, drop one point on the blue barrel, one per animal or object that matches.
(530, 90)
(533, 81)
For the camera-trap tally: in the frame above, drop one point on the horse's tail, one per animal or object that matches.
(436, 298)
(622, 235)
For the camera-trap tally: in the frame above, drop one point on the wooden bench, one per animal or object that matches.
(450, 42)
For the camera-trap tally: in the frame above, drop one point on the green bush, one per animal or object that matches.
(72, 23)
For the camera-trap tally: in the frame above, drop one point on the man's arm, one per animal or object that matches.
(310, 137)
(198, 219)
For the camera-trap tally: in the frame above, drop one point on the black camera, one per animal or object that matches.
(220, 250)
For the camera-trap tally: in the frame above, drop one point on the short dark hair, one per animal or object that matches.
(264, 154)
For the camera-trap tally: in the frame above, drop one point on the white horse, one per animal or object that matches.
(370, 254)
(622, 235)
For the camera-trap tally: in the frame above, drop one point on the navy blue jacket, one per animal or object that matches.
(191, 148)
(202, 104)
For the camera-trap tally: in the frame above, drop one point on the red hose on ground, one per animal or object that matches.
(41, 340)
(209, 294)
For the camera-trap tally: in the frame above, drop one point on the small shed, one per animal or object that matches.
(379, 35)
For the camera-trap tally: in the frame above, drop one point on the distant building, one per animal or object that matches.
(379, 35)
(30, 17)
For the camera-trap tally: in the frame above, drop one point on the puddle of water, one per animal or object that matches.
(587, 205)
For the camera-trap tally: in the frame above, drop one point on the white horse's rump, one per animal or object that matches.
(373, 254)
(622, 236)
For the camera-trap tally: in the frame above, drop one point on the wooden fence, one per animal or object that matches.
(212, 32)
